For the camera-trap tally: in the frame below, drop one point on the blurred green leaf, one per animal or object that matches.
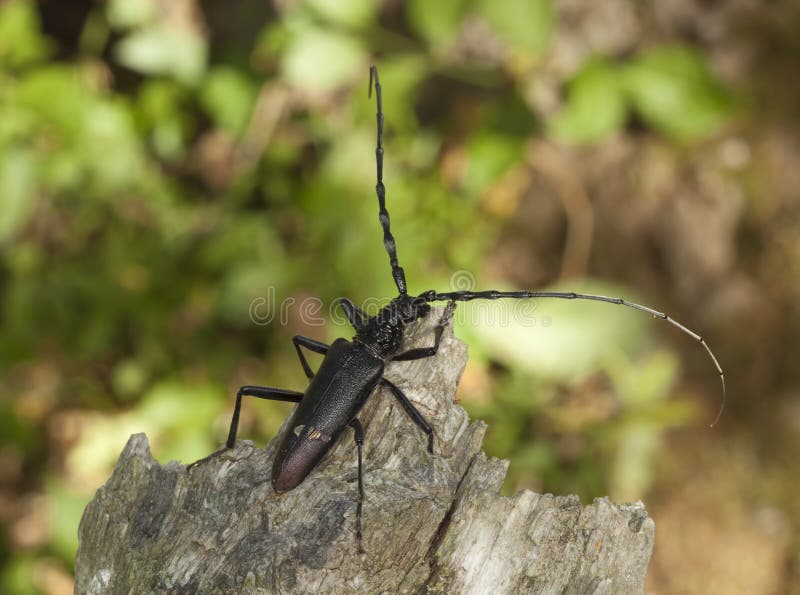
(320, 61)
(595, 106)
(642, 383)
(173, 51)
(162, 112)
(353, 13)
(490, 155)
(435, 21)
(674, 91)
(169, 413)
(66, 508)
(17, 184)
(21, 42)
(228, 97)
(525, 24)
(131, 13)
(632, 470)
(17, 575)
(129, 378)
(66, 116)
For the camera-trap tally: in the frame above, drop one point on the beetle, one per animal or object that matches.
(352, 370)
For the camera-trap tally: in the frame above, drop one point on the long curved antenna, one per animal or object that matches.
(388, 239)
(465, 296)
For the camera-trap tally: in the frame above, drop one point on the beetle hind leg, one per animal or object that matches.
(358, 431)
(260, 392)
(412, 411)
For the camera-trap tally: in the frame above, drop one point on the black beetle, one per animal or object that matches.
(352, 370)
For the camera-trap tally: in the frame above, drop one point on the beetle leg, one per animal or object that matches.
(261, 392)
(412, 411)
(355, 315)
(423, 352)
(359, 437)
(311, 345)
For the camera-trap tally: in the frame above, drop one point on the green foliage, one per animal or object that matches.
(524, 24)
(674, 91)
(435, 21)
(670, 87)
(228, 97)
(157, 46)
(20, 42)
(596, 107)
(354, 13)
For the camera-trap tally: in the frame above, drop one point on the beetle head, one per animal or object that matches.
(383, 333)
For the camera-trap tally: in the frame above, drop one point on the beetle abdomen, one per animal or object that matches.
(336, 394)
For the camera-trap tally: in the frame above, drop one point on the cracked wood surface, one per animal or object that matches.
(432, 524)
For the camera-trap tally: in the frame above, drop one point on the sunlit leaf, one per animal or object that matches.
(319, 61)
(173, 51)
(557, 339)
(111, 140)
(131, 13)
(353, 13)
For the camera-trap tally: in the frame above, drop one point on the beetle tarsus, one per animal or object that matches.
(204, 460)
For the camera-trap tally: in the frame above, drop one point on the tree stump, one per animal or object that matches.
(431, 523)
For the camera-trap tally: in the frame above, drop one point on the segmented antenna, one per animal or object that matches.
(465, 296)
(388, 239)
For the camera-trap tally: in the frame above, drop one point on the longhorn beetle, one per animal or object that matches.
(352, 370)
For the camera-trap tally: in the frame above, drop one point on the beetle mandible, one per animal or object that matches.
(352, 370)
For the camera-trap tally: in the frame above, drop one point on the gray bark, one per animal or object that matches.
(432, 524)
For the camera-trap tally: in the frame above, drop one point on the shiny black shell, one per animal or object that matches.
(345, 380)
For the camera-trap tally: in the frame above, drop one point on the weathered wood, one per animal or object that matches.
(432, 524)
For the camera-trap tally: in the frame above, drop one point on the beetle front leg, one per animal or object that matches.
(412, 411)
(355, 315)
(260, 392)
(312, 345)
(424, 352)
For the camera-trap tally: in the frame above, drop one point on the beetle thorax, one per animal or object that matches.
(383, 333)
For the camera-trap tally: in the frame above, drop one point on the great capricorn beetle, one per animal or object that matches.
(352, 370)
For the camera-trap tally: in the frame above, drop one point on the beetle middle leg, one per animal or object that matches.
(312, 345)
(412, 411)
(260, 392)
(355, 315)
